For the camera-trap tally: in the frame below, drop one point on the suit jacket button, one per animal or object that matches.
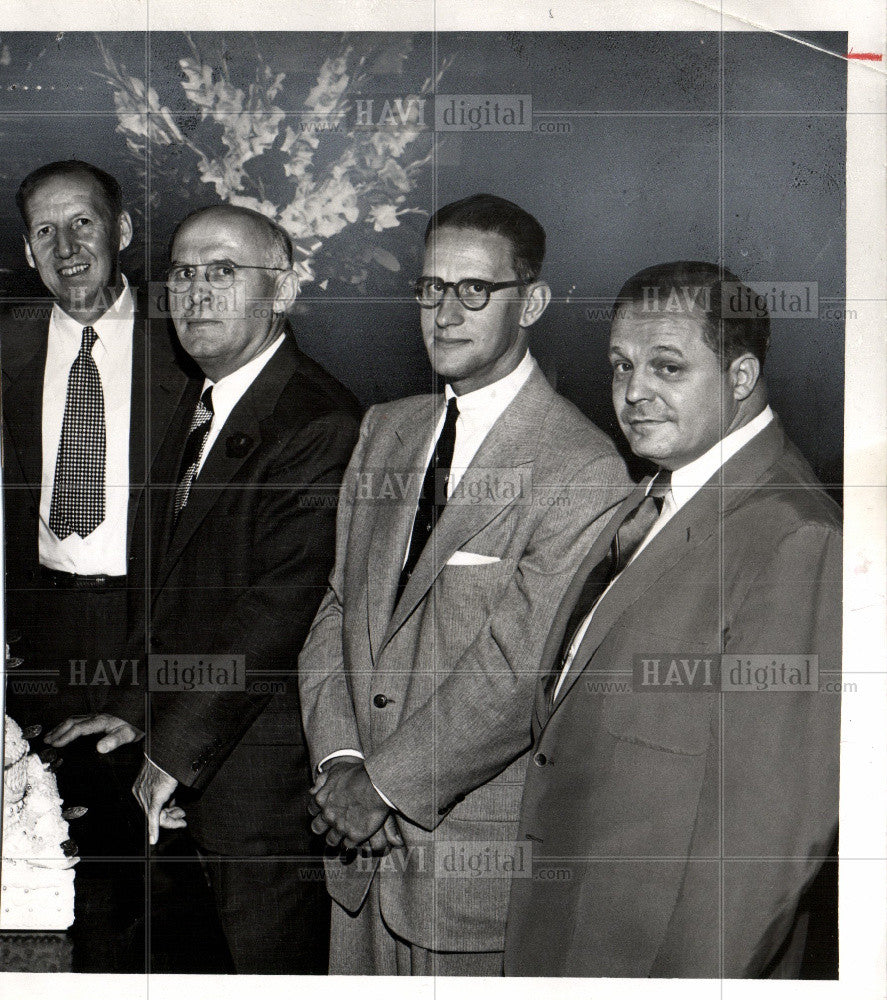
(539, 759)
(195, 766)
(380, 701)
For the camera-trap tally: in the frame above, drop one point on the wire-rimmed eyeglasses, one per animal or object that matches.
(219, 274)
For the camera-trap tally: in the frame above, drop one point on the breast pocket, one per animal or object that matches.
(473, 589)
(673, 723)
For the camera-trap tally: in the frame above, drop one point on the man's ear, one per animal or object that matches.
(124, 226)
(286, 291)
(538, 295)
(29, 256)
(744, 374)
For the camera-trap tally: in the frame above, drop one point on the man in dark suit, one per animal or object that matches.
(418, 676)
(243, 497)
(89, 387)
(684, 784)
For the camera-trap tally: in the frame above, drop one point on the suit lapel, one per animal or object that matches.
(391, 533)
(598, 551)
(157, 386)
(223, 462)
(511, 445)
(692, 525)
(23, 405)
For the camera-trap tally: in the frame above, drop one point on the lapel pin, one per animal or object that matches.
(238, 445)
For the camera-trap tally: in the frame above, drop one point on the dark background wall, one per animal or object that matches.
(658, 146)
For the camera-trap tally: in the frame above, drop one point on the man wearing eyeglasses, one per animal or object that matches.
(461, 519)
(243, 496)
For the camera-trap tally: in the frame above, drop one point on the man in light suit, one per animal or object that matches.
(461, 521)
(70, 572)
(675, 824)
(242, 498)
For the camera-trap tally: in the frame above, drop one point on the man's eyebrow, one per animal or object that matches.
(657, 349)
(204, 263)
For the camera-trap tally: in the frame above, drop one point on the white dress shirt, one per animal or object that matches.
(103, 551)
(478, 411)
(227, 393)
(686, 482)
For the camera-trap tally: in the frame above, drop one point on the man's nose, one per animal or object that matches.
(199, 290)
(65, 244)
(637, 388)
(450, 312)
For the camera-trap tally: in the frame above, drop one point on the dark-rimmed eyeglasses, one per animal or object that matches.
(473, 293)
(219, 274)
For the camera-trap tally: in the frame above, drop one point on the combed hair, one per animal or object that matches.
(70, 168)
(736, 319)
(492, 214)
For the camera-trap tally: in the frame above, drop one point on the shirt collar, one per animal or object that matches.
(110, 327)
(690, 478)
(233, 386)
(496, 393)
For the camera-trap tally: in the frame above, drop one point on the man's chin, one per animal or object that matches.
(74, 296)
(649, 446)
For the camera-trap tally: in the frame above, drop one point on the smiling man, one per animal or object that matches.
(81, 375)
(685, 787)
(242, 506)
(461, 522)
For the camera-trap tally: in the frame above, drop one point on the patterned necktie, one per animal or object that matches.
(197, 434)
(657, 494)
(78, 490)
(433, 497)
(603, 574)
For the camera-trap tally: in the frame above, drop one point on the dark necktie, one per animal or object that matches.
(78, 490)
(200, 424)
(433, 497)
(607, 570)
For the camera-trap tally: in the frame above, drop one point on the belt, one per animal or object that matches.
(78, 581)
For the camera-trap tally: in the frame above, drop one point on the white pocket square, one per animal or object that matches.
(462, 558)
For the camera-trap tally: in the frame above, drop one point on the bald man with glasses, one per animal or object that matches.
(242, 510)
(461, 519)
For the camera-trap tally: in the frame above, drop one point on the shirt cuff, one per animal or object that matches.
(357, 753)
(160, 769)
(339, 753)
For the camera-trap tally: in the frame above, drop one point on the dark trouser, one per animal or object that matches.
(275, 913)
(72, 643)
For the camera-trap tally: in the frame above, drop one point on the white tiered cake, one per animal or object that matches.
(36, 875)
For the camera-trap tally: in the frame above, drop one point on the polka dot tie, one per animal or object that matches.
(78, 491)
(200, 424)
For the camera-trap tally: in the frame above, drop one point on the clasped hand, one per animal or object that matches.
(349, 811)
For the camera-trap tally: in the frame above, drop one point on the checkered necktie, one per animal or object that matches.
(200, 424)
(78, 491)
